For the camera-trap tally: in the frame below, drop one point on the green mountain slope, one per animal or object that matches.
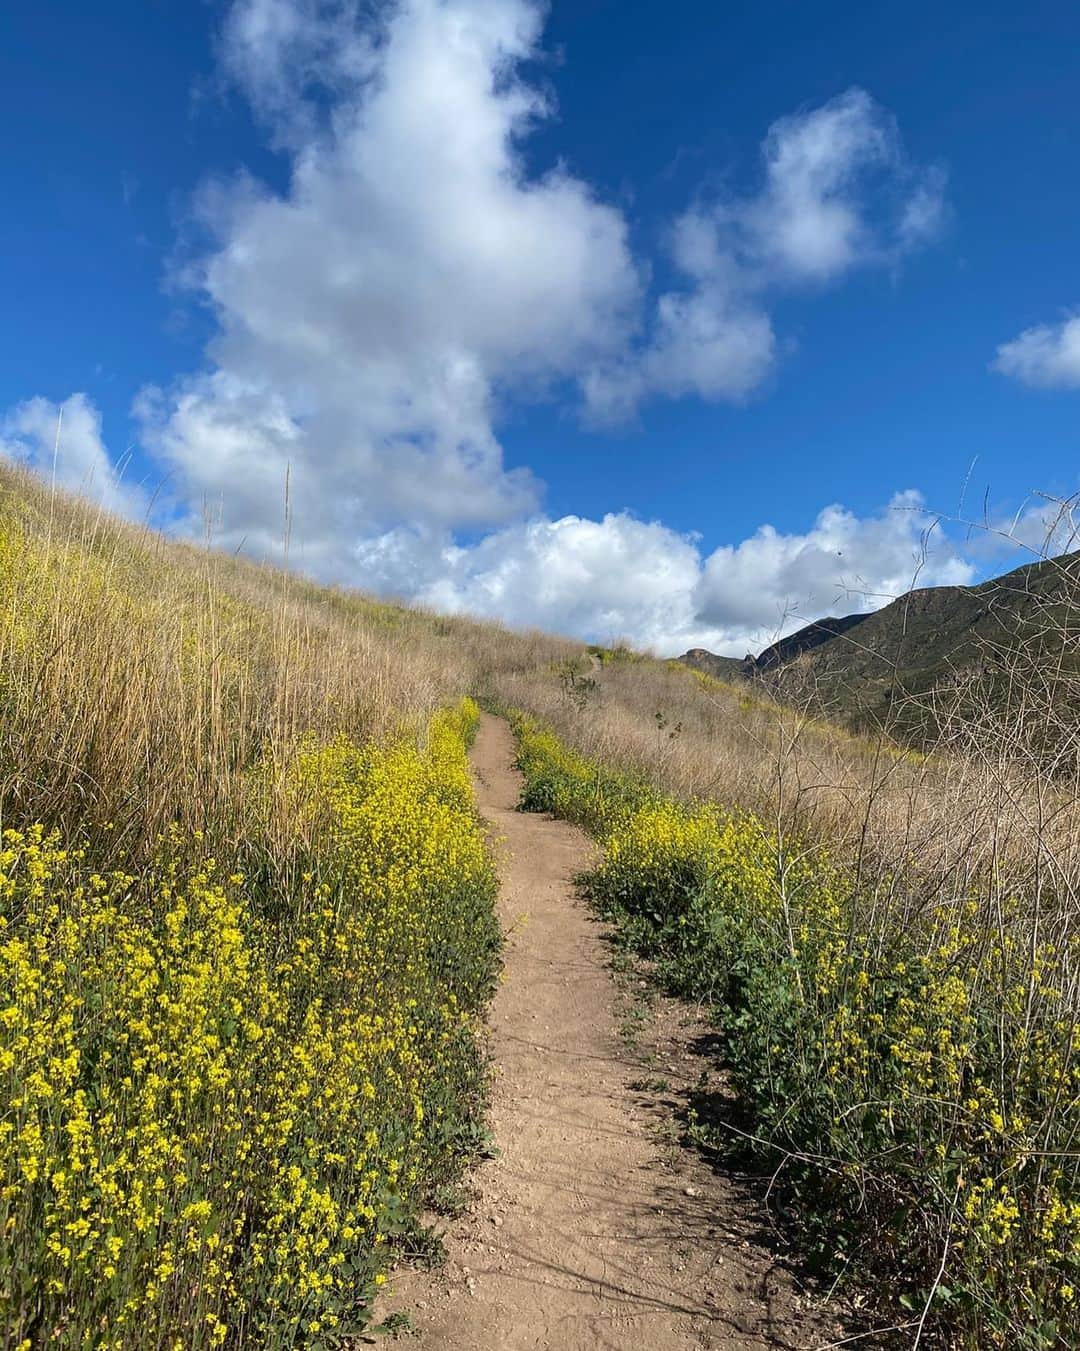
(920, 660)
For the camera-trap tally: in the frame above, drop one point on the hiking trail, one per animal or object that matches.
(582, 1235)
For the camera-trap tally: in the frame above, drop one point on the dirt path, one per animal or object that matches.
(582, 1236)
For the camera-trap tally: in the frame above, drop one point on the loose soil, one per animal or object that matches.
(591, 1228)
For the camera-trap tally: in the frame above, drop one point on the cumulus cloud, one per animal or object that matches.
(838, 192)
(64, 439)
(818, 214)
(621, 577)
(375, 316)
(282, 52)
(614, 578)
(1045, 357)
(845, 564)
(1041, 527)
(372, 318)
(1045, 527)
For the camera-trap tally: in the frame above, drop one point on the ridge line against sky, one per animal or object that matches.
(410, 281)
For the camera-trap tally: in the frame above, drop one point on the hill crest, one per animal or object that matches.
(857, 667)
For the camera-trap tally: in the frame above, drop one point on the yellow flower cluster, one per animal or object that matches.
(933, 1067)
(216, 1101)
(559, 780)
(671, 854)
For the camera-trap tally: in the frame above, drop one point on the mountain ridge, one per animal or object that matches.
(859, 667)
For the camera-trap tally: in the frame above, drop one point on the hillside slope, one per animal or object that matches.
(247, 935)
(912, 664)
(250, 928)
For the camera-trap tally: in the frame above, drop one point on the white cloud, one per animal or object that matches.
(65, 439)
(705, 342)
(1041, 527)
(1046, 356)
(413, 275)
(838, 193)
(625, 578)
(373, 318)
(282, 51)
(1044, 528)
(615, 578)
(845, 564)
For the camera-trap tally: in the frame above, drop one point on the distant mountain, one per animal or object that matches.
(723, 668)
(805, 640)
(892, 666)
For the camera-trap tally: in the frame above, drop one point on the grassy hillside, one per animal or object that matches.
(143, 677)
(247, 937)
(890, 943)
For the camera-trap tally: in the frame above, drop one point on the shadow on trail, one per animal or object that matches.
(695, 1099)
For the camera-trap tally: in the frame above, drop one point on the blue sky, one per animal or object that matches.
(580, 316)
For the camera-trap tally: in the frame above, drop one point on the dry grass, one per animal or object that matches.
(141, 677)
(247, 934)
(939, 820)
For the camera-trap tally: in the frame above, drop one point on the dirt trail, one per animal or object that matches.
(580, 1236)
